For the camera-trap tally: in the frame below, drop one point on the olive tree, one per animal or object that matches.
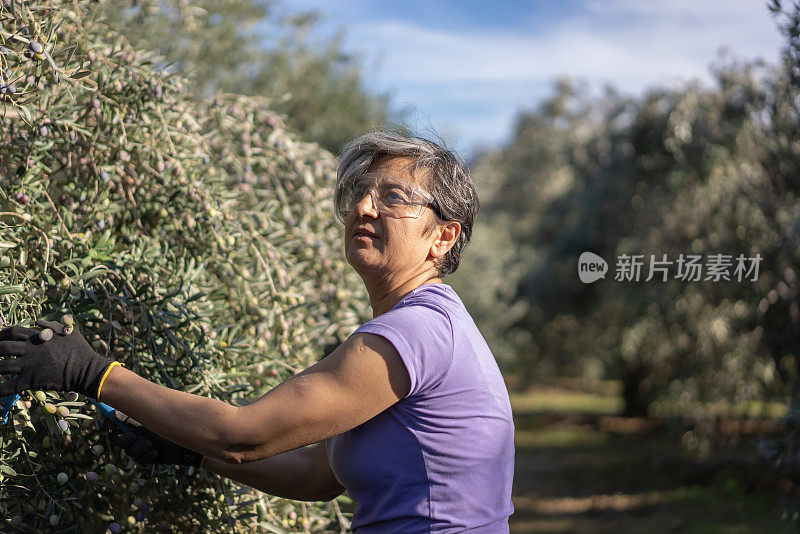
(192, 240)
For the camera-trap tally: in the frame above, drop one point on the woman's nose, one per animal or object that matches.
(367, 205)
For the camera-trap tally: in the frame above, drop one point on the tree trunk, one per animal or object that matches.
(636, 391)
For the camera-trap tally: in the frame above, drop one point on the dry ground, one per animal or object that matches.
(580, 469)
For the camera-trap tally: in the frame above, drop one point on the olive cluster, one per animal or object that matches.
(7, 83)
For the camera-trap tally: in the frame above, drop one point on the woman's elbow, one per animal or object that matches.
(233, 441)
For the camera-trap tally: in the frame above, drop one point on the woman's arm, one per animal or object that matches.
(195, 422)
(361, 378)
(302, 474)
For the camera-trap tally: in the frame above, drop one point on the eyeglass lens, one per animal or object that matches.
(393, 197)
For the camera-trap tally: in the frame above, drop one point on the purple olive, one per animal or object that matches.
(36, 47)
(115, 528)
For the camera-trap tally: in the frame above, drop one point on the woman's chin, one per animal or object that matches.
(362, 260)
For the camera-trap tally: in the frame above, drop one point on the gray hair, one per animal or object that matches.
(448, 181)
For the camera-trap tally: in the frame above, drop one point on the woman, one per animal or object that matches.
(410, 414)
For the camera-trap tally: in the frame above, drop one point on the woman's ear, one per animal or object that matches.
(447, 234)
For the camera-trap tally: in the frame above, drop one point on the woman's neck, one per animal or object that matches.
(383, 299)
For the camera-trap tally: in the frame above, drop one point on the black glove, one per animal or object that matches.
(147, 447)
(64, 362)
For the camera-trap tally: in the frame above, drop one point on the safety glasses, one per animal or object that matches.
(392, 196)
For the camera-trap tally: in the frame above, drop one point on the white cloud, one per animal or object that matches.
(679, 40)
(474, 81)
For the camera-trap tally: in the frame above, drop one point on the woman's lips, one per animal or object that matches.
(363, 232)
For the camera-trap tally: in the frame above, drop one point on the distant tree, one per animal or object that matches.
(779, 311)
(692, 170)
(253, 47)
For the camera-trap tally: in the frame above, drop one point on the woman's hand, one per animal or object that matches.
(148, 448)
(54, 358)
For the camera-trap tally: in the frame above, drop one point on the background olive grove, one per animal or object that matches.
(262, 48)
(696, 169)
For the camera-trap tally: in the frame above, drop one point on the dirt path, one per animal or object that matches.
(571, 476)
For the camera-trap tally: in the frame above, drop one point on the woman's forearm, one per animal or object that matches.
(292, 475)
(198, 423)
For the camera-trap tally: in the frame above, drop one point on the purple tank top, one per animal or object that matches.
(442, 458)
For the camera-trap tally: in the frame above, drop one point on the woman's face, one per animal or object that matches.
(401, 248)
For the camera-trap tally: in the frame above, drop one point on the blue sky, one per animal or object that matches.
(466, 68)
